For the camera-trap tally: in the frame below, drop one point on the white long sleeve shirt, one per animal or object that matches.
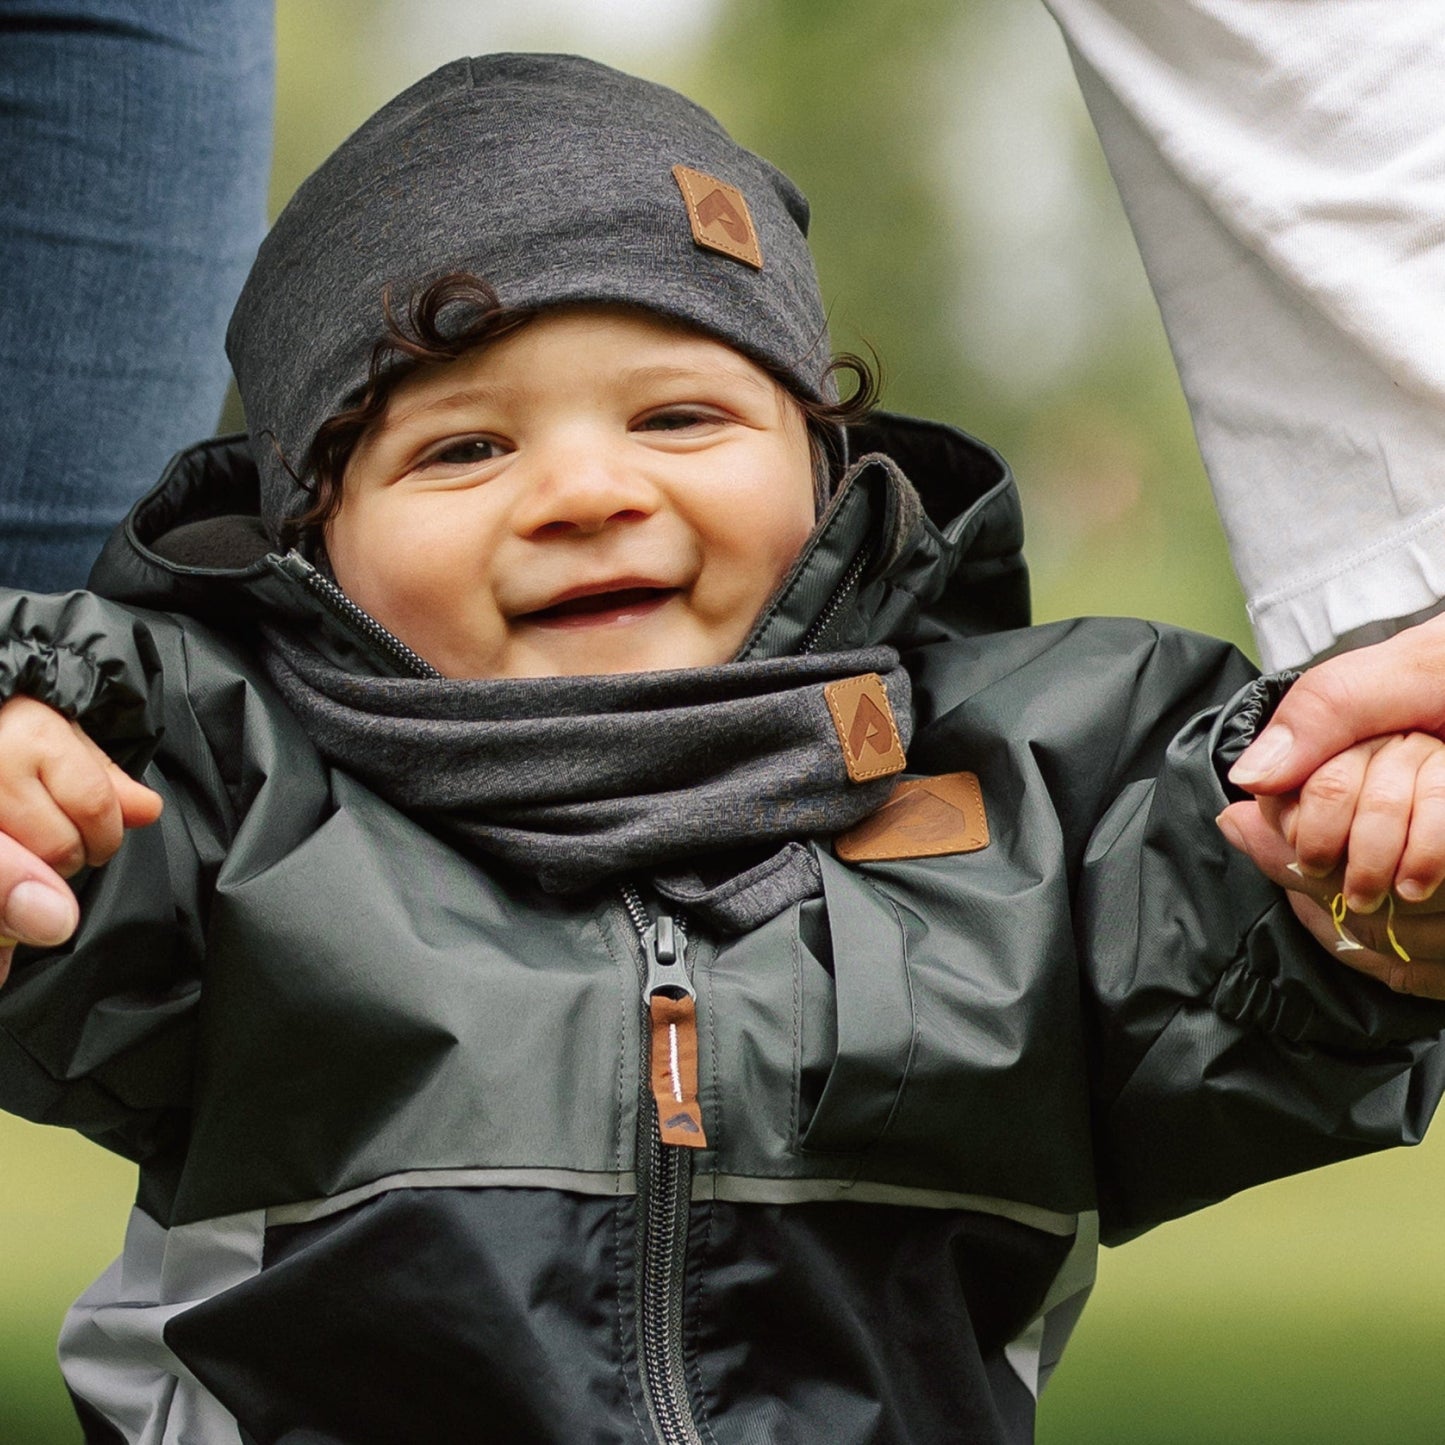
(1282, 163)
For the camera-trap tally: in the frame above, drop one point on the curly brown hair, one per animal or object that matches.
(459, 311)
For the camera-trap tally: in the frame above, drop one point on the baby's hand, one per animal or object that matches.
(63, 804)
(1380, 807)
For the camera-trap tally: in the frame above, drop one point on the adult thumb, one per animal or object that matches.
(1395, 686)
(36, 906)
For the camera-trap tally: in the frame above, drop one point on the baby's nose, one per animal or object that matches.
(584, 489)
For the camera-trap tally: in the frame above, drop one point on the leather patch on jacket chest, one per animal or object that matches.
(924, 818)
(866, 730)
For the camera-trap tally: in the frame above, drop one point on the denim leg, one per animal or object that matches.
(135, 146)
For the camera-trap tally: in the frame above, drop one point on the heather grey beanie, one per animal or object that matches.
(554, 179)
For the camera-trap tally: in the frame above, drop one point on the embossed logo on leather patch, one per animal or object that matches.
(719, 215)
(924, 818)
(866, 730)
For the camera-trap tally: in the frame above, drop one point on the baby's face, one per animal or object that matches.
(599, 491)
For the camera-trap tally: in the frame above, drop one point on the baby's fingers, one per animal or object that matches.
(84, 824)
(139, 805)
(31, 816)
(1382, 821)
(1280, 813)
(1320, 827)
(1422, 868)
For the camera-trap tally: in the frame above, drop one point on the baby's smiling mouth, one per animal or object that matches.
(618, 604)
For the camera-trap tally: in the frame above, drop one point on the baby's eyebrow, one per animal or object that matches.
(665, 373)
(642, 375)
(463, 398)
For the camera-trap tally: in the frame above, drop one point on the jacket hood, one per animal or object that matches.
(928, 517)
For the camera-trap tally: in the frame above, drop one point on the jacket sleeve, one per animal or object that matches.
(1228, 1047)
(97, 1034)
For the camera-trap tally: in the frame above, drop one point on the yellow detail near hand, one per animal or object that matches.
(1390, 928)
(1338, 911)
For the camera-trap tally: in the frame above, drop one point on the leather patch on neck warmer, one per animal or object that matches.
(924, 818)
(720, 217)
(866, 729)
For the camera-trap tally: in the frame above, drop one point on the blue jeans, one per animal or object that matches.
(135, 145)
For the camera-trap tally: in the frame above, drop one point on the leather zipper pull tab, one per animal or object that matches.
(672, 1011)
(674, 1070)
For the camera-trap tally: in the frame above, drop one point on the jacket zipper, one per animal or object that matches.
(664, 1185)
(664, 1190)
(359, 623)
(824, 620)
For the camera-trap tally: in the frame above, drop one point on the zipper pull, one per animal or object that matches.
(666, 946)
(294, 565)
(671, 1004)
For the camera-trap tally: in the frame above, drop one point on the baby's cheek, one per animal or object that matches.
(785, 553)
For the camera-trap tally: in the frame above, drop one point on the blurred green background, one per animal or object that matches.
(965, 227)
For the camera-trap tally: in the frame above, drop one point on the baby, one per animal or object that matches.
(545, 1010)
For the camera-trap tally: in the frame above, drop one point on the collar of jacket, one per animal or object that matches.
(195, 544)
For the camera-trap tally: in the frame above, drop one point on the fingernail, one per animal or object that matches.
(39, 914)
(1262, 756)
(1412, 892)
(1225, 824)
(1363, 902)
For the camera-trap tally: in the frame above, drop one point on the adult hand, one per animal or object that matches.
(36, 906)
(1395, 686)
(1418, 928)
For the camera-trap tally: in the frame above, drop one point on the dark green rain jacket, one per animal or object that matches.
(400, 1178)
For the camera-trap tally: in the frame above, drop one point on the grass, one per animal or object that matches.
(1308, 1310)
(63, 1206)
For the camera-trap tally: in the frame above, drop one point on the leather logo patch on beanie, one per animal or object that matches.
(719, 216)
(866, 729)
(924, 818)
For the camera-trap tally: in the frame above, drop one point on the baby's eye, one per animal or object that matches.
(463, 452)
(677, 418)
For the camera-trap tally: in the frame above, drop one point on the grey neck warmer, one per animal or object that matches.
(580, 781)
